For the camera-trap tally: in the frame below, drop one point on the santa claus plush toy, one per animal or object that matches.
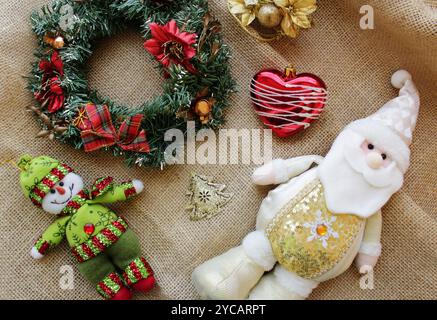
(312, 227)
(107, 250)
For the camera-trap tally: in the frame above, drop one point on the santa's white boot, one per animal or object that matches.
(233, 274)
(282, 285)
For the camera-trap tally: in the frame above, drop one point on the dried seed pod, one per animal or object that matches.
(214, 49)
(59, 129)
(45, 119)
(43, 133)
(34, 109)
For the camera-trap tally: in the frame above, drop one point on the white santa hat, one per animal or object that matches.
(391, 127)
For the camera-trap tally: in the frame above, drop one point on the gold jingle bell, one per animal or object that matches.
(58, 43)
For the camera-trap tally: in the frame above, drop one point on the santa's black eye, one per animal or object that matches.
(52, 191)
(384, 156)
(370, 146)
(61, 184)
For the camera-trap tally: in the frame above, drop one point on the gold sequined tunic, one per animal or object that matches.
(307, 238)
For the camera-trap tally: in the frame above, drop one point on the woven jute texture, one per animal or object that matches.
(356, 64)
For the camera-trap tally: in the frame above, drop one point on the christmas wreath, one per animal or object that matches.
(183, 39)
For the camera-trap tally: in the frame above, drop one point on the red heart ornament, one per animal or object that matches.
(287, 103)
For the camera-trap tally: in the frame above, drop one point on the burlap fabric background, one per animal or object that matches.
(356, 65)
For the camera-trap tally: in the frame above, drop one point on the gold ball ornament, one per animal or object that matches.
(58, 43)
(202, 109)
(269, 16)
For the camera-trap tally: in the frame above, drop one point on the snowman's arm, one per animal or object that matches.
(279, 170)
(121, 192)
(370, 248)
(51, 237)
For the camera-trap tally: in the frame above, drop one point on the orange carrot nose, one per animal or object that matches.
(60, 190)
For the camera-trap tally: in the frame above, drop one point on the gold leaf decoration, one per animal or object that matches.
(295, 15)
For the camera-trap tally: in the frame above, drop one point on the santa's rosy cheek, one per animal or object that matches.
(369, 147)
(364, 147)
(386, 162)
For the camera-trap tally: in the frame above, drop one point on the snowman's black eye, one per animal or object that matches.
(52, 191)
(370, 146)
(384, 156)
(61, 184)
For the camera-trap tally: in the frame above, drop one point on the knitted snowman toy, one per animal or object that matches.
(311, 227)
(108, 251)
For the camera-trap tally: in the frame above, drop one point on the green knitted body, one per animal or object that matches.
(87, 221)
(117, 256)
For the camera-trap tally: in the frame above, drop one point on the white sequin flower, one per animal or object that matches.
(321, 229)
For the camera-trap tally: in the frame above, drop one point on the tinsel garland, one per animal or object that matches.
(181, 87)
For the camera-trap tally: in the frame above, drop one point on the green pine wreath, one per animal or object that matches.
(184, 41)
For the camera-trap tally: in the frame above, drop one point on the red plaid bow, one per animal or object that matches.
(102, 133)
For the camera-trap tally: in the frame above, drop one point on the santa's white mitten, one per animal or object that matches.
(35, 253)
(138, 185)
(280, 171)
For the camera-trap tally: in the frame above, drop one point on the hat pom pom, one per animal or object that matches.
(399, 78)
(24, 162)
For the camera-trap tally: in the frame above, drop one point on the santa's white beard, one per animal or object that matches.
(351, 186)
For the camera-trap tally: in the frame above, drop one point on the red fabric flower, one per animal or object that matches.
(169, 45)
(51, 93)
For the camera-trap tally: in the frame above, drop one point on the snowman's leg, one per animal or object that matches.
(232, 274)
(102, 273)
(282, 285)
(126, 255)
